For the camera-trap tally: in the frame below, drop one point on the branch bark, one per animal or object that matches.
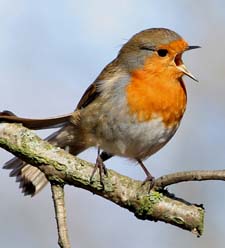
(62, 168)
(185, 176)
(60, 215)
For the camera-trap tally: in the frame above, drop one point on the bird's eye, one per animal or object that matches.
(162, 52)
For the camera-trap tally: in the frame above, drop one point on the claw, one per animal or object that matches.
(151, 180)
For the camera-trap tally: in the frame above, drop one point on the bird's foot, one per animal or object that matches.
(151, 180)
(102, 170)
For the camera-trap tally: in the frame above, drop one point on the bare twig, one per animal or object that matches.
(60, 215)
(63, 168)
(185, 176)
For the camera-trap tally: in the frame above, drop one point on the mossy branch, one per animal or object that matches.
(62, 168)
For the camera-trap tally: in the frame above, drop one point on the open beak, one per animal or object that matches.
(183, 68)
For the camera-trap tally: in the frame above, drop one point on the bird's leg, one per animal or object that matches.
(100, 165)
(105, 156)
(149, 177)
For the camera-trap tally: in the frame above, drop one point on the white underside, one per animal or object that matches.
(138, 140)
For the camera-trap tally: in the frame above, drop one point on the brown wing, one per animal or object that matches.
(89, 95)
(92, 91)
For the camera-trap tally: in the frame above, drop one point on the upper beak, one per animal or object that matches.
(183, 68)
(192, 47)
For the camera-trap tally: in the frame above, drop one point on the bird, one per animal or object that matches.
(132, 109)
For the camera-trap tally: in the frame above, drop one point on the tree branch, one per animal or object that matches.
(185, 176)
(63, 168)
(60, 215)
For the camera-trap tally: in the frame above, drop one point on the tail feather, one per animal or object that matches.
(11, 163)
(31, 180)
(52, 122)
(15, 165)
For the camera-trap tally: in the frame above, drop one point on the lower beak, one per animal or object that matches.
(183, 68)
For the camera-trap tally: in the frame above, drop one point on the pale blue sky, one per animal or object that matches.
(50, 51)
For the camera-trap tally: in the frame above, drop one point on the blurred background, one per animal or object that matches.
(50, 51)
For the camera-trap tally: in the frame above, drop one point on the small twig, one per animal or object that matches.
(60, 215)
(185, 176)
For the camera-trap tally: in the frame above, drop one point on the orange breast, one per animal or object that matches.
(154, 93)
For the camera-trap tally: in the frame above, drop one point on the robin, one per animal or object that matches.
(132, 109)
